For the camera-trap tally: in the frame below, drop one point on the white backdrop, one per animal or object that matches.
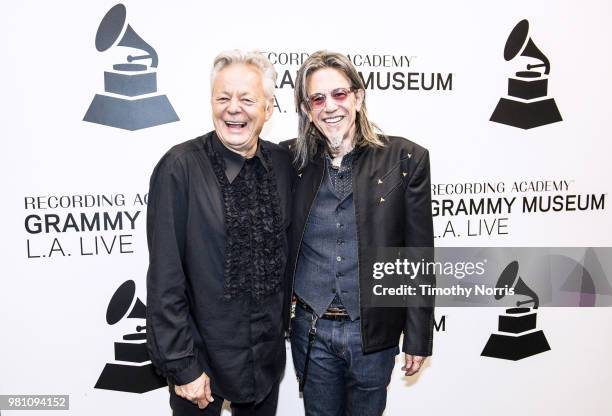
(55, 339)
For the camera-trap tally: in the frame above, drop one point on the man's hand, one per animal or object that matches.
(198, 391)
(413, 364)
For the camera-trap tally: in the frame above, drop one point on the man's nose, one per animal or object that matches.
(330, 104)
(234, 106)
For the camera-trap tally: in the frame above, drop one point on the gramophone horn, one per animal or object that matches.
(119, 305)
(519, 43)
(110, 29)
(507, 278)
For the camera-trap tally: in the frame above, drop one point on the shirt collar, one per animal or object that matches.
(233, 161)
(346, 161)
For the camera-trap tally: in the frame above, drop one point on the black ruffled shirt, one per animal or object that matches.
(216, 230)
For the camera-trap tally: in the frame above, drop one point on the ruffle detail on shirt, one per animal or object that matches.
(254, 256)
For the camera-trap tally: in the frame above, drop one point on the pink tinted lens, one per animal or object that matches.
(339, 94)
(317, 101)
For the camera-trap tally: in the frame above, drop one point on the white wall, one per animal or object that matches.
(55, 338)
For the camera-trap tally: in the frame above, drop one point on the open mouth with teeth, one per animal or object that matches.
(333, 120)
(235, 125)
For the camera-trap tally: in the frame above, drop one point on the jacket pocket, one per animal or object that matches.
(392, 181)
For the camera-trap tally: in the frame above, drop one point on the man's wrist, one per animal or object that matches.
(187, 374)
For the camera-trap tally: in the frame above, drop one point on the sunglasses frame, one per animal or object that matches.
(330, 94)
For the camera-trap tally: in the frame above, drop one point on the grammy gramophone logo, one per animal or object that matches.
(517, 335)
(132, 370)
(527, 105)
(130, 100)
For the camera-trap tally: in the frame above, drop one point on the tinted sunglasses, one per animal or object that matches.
(317, 101)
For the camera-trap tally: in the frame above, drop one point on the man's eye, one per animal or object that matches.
(222, 99)
(317, 99)
(339, 94)
(248, 101)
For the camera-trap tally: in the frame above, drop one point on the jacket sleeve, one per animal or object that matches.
(169, 336)
(418, 330)
(288, 295)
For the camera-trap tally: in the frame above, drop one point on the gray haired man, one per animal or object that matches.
(216, 223)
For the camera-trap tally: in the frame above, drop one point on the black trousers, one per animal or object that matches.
(267, 407)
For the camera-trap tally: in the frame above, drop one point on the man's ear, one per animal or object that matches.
(305, 111)
(359, 96)
(269, 108)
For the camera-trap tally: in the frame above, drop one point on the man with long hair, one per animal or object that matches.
(354, 188)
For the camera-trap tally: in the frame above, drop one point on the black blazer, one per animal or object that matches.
(392, 196)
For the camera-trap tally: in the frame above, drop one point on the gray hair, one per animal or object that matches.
(367, 133)
(254, 58)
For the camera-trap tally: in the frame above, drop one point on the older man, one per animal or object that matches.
(216, 225)
(355, 189)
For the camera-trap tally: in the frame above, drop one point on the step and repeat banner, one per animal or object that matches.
(511, 100)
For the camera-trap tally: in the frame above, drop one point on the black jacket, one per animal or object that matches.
(191, 327)
(392, 196)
